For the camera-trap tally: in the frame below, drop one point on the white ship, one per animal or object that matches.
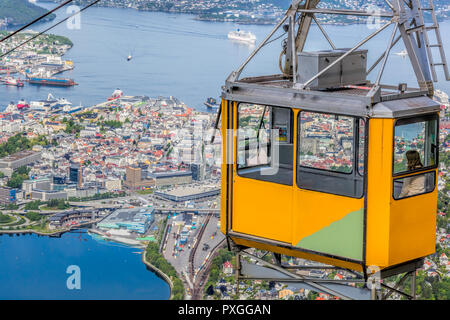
(402, 54)
(243, 36)
(42, 105)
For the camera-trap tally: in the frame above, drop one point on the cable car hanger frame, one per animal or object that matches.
(406, 17)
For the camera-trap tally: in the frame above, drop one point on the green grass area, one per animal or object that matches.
(20, 12)
(145, 192)
(15, 225)
(4, 219)
(47, 208)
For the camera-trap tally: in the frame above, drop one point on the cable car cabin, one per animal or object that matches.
(330, 176)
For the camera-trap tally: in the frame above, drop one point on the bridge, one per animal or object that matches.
(157, 209)
(95, 205)
(163, 210)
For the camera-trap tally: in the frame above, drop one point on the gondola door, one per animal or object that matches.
(262, 183)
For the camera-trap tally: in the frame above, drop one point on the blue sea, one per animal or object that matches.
(34, 267)
(176, 55)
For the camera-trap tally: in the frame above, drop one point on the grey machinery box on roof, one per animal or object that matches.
(350, 71)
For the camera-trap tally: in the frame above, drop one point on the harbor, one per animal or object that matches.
(38, 62)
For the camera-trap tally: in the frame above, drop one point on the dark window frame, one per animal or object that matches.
(355, 174)
(410, 120)
(415, 175)
(236, 149)
(357, 129)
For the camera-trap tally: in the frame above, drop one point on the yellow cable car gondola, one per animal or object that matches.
(320, 163)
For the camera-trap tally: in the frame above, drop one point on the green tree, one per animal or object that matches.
(33, 216)
(33, 205)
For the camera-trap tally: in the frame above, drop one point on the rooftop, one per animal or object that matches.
(190, 190)
(19, 155)
(132, 215)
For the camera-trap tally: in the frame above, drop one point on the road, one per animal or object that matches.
(212, 237)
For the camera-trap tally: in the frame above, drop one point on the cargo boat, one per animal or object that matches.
(22, 104)
(52, 81)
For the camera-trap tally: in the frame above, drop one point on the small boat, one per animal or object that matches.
(115, 95)
(10, 81)
(242, 36)
(211, 103)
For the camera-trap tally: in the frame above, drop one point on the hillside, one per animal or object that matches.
(257, 11)
(19, 12)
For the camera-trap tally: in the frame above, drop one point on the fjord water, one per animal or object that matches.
(33, 267)
(176, 55)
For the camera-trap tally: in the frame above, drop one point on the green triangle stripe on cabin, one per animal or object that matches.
(343, 238)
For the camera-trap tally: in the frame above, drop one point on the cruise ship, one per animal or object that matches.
(242, 36)
(53, 105)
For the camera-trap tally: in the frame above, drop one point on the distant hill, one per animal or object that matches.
(20, 12)
(354, 4)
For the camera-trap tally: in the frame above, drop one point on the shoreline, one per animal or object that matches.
(159, 273)
(39, 233)
(150, 266)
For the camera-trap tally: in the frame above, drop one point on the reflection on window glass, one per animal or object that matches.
(415, 145)
(326, 142)
(253, 137)
(414, 185)
(265, 148)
